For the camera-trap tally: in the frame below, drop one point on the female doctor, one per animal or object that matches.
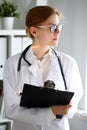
(36, 65)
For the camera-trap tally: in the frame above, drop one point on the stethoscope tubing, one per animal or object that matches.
(23, 56)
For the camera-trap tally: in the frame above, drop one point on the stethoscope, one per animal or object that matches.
(23, 56)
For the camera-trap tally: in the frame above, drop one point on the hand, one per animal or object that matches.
(61, 109)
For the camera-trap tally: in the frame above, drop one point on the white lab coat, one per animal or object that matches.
(39, 118)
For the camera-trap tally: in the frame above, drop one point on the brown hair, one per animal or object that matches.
(39, 14)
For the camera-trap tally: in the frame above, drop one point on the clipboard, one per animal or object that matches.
(42, 97)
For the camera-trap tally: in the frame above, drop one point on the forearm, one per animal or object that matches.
(39, 116)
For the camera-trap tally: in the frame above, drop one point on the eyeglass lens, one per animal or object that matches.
(54, 28)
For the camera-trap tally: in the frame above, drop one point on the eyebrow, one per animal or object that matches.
(53, 24)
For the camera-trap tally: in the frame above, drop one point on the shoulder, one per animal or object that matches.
(14, 58)
(12, 61)
(66, 58)
(67, 61)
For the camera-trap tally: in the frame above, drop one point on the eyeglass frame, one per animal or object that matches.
(52, 28)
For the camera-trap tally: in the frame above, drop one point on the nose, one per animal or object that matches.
(57, 32)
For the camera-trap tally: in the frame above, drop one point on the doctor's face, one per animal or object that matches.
(48, 32)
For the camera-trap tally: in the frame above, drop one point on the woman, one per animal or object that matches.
(43, 26)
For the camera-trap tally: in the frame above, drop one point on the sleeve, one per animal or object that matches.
(74, 84)
(11, 99)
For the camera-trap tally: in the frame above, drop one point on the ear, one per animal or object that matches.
(33, 31)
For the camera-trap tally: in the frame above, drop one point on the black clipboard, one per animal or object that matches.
(41, 97)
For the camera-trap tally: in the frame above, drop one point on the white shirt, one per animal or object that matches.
(44, 65)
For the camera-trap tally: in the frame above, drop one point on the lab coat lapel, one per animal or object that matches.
(34, 69)
(54, 73)
(53, 67)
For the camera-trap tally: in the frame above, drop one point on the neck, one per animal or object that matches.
(40, 51)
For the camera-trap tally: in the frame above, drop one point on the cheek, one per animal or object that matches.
(46, 36)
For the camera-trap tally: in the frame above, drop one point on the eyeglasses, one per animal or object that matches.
(52, 28)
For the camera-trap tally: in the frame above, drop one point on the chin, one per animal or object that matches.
(54, 44)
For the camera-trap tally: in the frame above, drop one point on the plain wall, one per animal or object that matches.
(78, 123)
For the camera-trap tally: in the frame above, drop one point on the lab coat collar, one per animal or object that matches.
(34, 69)
(29, 56)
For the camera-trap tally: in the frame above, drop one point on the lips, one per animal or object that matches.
(55, 39)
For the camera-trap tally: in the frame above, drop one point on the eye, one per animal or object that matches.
(53, 28)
